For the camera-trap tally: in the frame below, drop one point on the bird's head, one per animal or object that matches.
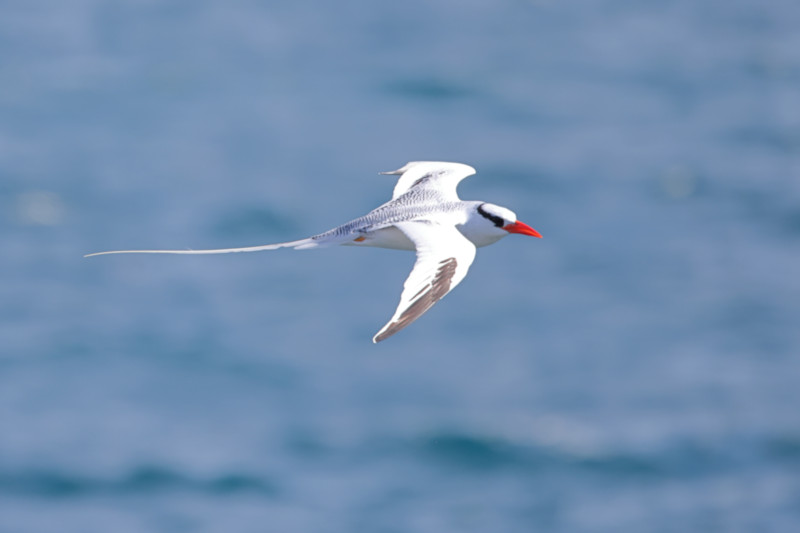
(500, 221)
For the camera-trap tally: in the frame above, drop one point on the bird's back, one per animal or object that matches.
(413, 205)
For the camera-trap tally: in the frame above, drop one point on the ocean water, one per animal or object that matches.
(637, 370)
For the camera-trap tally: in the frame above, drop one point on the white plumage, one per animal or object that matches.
(424, 215)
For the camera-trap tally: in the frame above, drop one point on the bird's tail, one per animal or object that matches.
(302, 244)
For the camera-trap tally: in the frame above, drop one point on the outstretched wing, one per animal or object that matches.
(439, 175)
(444, 256)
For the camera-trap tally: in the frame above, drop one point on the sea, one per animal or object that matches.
(636, 370)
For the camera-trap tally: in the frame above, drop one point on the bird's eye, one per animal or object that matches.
(496, 220)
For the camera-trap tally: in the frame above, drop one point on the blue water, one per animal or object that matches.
(637, 370)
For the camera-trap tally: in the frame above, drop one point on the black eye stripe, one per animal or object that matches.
(496, 220)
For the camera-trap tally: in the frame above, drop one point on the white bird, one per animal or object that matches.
(425, 215)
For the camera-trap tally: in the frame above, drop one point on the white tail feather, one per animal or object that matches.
(302, 244)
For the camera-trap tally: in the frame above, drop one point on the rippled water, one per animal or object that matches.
(635, 370)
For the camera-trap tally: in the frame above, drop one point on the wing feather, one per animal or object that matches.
(444, 256)
(441, 176)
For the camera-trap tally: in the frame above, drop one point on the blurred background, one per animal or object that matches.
(636, 370)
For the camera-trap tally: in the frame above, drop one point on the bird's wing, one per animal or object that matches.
(438, 175)
(444, 256)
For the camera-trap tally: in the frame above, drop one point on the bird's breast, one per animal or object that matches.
(479, 236)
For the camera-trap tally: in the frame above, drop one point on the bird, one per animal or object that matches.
(424, 215)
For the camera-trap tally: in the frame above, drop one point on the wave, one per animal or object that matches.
(142, 480)
(486, 452)
(679, 459)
